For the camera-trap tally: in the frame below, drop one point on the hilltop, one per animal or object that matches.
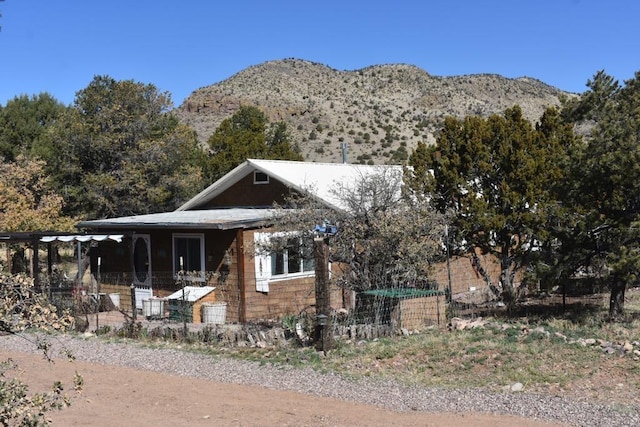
(381, 111)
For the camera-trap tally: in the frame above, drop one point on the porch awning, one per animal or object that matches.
(83, 238)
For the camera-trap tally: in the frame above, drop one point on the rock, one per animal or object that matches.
(459, 324)
(541, 330)
(517, 387)
(590, 341)
(477, 323)
(627, 347)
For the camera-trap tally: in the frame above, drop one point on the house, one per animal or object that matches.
(213, 237)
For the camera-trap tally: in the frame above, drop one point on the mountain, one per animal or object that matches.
(381, 111)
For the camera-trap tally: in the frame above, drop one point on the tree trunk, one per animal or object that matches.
(616, 300)
(506, 278)
(477, 264)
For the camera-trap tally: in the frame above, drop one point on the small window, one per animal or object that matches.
(260, 177)
(188, 255)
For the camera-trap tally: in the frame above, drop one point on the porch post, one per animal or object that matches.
(35, 261)
(242, 301)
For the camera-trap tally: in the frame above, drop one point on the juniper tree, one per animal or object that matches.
(496, 178)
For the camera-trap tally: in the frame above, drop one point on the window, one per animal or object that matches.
(260, 177)
(295, 259)
(188, 255)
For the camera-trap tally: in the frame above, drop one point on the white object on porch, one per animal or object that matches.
(191, 293)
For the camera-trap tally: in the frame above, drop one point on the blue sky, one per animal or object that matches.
(59, 46)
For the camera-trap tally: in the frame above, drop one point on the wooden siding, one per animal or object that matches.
(246, 193)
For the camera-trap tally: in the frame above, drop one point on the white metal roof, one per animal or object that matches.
(318, 179)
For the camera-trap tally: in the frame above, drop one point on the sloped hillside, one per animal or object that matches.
(381, 111)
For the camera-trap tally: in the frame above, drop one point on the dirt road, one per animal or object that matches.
(117, 396)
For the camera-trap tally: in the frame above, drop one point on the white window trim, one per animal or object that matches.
(256, 181)
(199, 236)
(263, 263)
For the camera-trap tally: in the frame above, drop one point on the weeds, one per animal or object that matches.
(543, 352)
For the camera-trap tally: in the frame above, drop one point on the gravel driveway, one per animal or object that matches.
(387, 393)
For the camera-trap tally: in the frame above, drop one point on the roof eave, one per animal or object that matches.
(244, 224)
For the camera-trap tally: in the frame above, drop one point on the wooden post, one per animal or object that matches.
(134, 311)
(35, 263)
(324, 328)
(242, 304)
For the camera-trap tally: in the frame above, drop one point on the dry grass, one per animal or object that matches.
(542, 352)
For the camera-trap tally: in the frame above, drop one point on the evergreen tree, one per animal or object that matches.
(247, 135)
(607, 186)
(495, 178)
(23, 121)
(120, 151)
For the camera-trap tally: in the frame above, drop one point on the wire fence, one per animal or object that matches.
(368, 314)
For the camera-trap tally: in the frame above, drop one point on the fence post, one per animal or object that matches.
(324, 327)
(133, 302)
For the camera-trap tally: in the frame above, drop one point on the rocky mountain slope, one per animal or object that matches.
(380, 112)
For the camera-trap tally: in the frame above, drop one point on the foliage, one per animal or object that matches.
(606, 187)
(385, 238)
(119, 140)
(496, 177)
(24, 121)
(246, 135)
(21, 309)
(27, 199)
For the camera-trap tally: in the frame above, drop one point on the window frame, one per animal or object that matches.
(302, 272)
(260, 182)
(176, 263)
(264, 262)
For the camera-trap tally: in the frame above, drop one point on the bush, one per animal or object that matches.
(23, 308)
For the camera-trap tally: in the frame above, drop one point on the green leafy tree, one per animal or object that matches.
(495, 179)
(120, 151)
(23, 121)
(246, 135)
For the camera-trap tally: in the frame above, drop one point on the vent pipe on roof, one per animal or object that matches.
(343, 146)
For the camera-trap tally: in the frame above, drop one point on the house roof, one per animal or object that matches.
(221, 219)
(318, 179)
